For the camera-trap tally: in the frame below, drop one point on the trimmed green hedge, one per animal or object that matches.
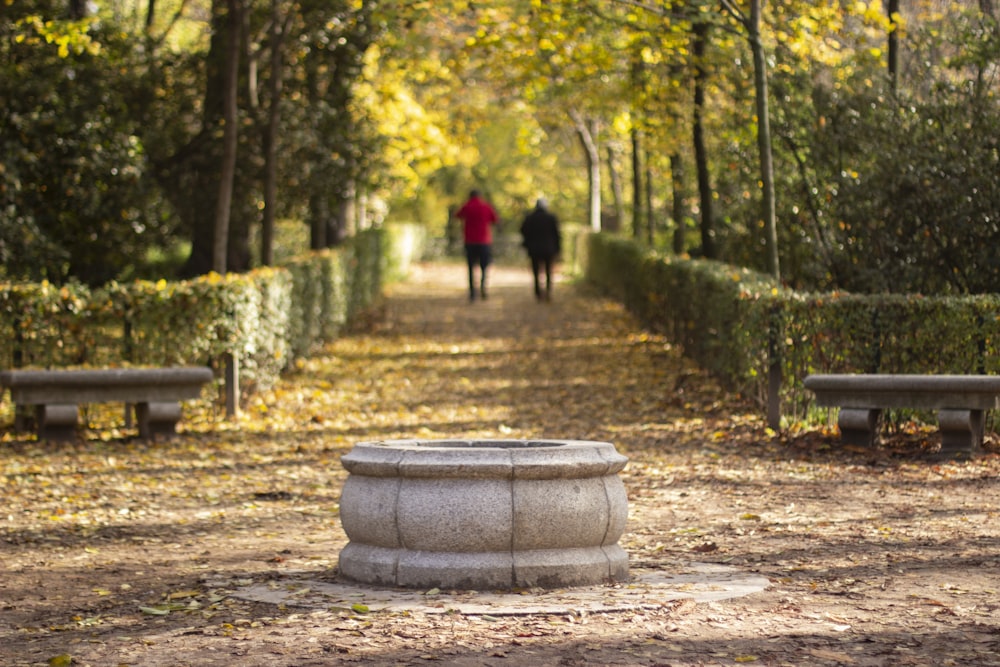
(265, 318)
(737, 324)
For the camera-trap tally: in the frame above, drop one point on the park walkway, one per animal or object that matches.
(123, 552)
(577, 367)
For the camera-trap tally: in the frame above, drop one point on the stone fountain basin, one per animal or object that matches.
(483, 514)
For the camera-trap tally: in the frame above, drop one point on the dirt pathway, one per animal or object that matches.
(117, 552)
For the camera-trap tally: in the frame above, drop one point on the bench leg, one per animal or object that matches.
(859, 426)
(57, 421)
(157, 418)
(961, 432)
(22, 418)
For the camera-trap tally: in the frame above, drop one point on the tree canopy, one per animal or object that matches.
(851, 143)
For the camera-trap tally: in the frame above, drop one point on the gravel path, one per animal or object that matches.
(116, 552)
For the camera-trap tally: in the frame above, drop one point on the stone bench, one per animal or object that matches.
(155, 392)
(960, 401)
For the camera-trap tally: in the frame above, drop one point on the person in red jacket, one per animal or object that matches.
(478, 218)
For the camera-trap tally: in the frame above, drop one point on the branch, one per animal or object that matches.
(730, 7)
(174, 20)
(653, 9)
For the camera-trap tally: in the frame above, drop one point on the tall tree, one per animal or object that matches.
(639, 213)
(892, 10)
(230, 136)
(751, 22)
(679, 213)
(280, 22)
(192, 175)
(617, 190)
(586, 130)
(706, 194)
(341, 33)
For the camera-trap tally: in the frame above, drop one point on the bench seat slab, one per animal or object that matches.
(130, 385)
(921, 392)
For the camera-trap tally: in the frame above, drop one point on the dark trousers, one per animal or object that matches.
(540, 263)
(477, 253)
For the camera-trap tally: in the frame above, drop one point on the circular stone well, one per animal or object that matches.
(483, 514)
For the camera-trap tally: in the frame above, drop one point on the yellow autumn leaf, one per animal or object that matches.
(180, 595)
(154, 611)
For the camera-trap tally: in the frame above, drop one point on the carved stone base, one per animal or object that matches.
(57, 422)
(859, 426)
(157, 419)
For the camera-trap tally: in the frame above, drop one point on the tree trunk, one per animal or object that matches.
(585, 130)
(271, 137)
(616, 187)
(191, 176)
(678, 212)
(227, 174)
(335, 228)
(77, 9)
(349, 209)
(638, 212)
(764, 139)
(892, 9)
(650, 216)
(705, 194)
(361, 211)
(319, 211)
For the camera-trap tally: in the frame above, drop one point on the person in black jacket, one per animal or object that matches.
(540, 231)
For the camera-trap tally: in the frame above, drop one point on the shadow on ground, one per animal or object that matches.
(118, 552)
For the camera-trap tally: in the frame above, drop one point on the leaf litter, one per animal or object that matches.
(122, 552)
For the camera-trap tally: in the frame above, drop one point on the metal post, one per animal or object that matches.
(773, 373)
(232, 385)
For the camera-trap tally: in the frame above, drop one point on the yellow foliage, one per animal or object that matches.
(420, 142)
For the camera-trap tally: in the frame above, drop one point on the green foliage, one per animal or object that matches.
(319, 305)
(706, 306)
(265, 318)
(922, 212)
(200, 321)
(575, 241)
(72, 202)
(110, 132)
(47, 325)
(366, 270)
(735, 323)
(404, 244)
(881, 190)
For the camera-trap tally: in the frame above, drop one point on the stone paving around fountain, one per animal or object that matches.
(646, 589)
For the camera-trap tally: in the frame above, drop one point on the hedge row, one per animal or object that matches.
(264, 319)
(741, 325)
